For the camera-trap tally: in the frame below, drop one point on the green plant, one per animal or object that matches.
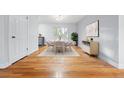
(74, 37)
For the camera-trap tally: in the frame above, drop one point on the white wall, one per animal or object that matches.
(108, 40)
(121, 41)
(47, 30)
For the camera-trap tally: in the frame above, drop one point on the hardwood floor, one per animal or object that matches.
(86, 66)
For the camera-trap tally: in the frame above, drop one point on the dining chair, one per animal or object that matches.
(68, 45)
(59, 46)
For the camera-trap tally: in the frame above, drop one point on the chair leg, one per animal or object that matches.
(63, 49)
(70, 48)
(56, 50)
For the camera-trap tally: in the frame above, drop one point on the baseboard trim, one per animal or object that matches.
(109, 61)
(5, 65)
(121, 66)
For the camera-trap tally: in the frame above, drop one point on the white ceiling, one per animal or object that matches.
(67, 19)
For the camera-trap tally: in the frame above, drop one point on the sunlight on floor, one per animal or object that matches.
(58, 75)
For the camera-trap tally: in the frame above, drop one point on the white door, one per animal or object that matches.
(23, 34)
(32, 34)
(17, 38)
(12, 39)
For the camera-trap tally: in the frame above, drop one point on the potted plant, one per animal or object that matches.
(74, 37)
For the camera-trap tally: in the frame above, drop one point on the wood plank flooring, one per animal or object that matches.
(83, 66)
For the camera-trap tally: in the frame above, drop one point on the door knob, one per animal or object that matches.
(13, 36)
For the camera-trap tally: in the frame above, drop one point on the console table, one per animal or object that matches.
(92, 48)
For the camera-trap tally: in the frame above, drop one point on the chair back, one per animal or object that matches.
(59, 44)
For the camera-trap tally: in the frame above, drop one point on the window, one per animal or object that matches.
(62, 33)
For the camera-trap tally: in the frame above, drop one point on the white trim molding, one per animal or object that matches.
(109, 61)
(4, 65)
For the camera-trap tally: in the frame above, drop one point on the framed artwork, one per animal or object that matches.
(92, 30)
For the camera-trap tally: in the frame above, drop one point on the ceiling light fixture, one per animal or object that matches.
(59, 17)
